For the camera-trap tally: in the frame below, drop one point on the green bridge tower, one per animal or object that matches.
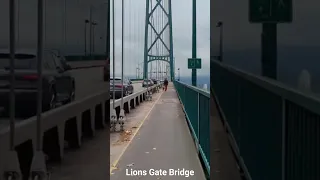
(158, 45)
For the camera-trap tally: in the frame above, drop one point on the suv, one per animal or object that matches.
(155, 81)
(58, 86)
(147, 83)
(126, 87)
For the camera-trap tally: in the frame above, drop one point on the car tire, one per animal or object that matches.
(51, 102)
(72, 95)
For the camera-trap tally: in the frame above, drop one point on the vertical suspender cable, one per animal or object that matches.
(39, 68)
(162, 48)
(113, 54)
(122, 49)
(126, 22)
(156, 25)
(12, 72)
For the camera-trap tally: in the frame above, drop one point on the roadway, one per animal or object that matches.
(88, 81)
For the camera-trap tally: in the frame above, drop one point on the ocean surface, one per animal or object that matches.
(201, 80)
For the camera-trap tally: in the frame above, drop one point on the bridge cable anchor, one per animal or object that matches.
(38, 167)
(11, 166)
(113, 119)
(149, 95)
(122, 119)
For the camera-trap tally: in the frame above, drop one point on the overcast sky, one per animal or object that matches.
(182, 33)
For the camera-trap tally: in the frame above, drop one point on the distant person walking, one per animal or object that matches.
(165, 83)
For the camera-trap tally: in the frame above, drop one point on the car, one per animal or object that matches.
(126, 87)
(62, 59)
(155, 81)
(147, 83)
(106, 71)
(58, 86)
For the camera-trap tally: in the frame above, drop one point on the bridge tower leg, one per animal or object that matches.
(158, 43)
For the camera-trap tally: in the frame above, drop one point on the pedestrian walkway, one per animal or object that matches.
(224, 165)
(164, 142)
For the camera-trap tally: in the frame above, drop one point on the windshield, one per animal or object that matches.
(22, 61)
(116, 80)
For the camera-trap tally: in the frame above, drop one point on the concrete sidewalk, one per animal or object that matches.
(164, 142)
(223, 163)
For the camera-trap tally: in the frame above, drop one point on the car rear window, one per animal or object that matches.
(116, 80)
(22, 61)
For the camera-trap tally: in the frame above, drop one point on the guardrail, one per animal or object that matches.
(196, 105)
(132, 100)
(136, 79)
(275, 130)
(69, 123)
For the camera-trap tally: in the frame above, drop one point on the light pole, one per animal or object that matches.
(178, 74)
(220, 25)
(194, 40)
(85, 36)
(108, 31)
(93, 35)
(137, 73)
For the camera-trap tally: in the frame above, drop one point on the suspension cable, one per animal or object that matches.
(151, 38)
(122, 49)
(113, 53)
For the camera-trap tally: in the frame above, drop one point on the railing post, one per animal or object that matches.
(184, 96)
(198, 133)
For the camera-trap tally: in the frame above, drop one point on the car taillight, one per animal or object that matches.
(118, 86)
(30, 77)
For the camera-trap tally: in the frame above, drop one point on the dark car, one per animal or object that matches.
(147, 83)
(118, 87)
(155, 81)
(106, 71)
(58, 86)
(62, 59)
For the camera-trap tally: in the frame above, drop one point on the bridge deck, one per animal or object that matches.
(163, 142)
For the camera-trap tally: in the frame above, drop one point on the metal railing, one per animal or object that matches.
(196, 105)
(68, 123)
(274, 130)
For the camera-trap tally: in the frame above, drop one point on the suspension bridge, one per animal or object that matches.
(273, 129)
(149, 128)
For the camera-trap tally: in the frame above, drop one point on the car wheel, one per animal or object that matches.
(72, 95)
(52, 101)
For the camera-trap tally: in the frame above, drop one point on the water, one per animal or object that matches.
(201, 80)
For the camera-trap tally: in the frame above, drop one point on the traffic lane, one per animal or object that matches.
(137, 87)
(89, 81)
(86, 64)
